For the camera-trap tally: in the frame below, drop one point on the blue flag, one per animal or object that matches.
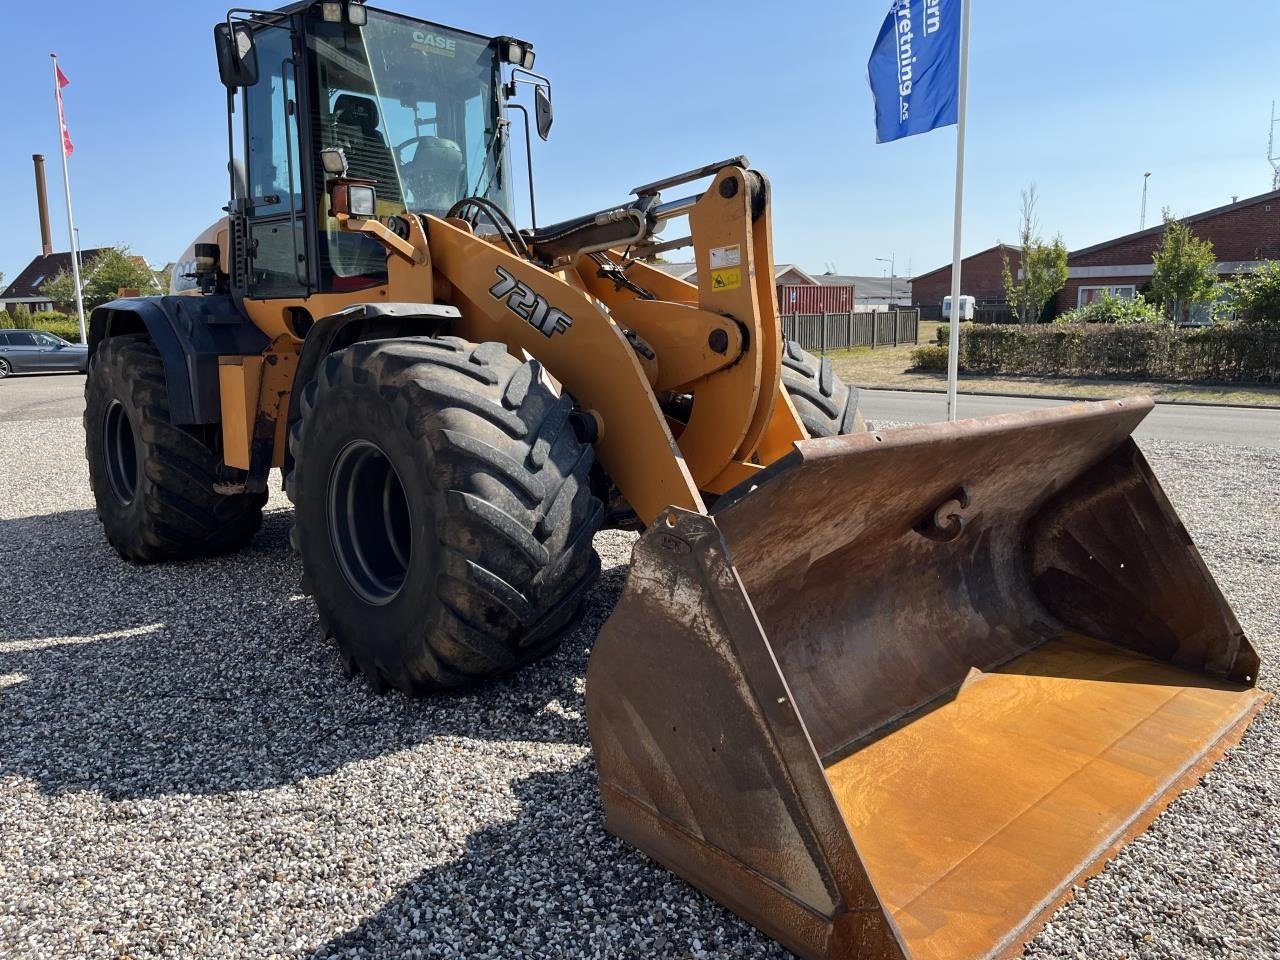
(915, 68)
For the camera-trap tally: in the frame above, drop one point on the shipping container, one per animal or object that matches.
(804, 298)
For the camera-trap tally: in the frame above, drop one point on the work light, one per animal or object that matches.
(362, 200)
(332, 12)
(357, 15)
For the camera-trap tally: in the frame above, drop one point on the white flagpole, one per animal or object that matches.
(66, 185)
(953, 351)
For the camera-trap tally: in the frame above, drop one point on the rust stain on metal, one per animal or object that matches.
(780, 711)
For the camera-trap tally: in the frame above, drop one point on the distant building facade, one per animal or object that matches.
(981, 277)
(25, 288)
(1243, 235)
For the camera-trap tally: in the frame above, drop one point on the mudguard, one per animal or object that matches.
(190, 333)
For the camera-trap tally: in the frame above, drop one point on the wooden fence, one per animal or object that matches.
(822, 332)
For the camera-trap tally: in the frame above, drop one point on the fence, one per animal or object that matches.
(840, 331)
(982, 313)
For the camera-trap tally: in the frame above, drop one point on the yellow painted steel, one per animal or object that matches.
(680, 334)
(969, 817)
(239, 379)
(591, 357)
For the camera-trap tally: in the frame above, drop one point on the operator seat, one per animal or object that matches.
(356, 128)
(435, 175)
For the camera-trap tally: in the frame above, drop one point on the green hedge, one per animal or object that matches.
(59, 324)
(1231, 353)
(929, 357)
(66, 329)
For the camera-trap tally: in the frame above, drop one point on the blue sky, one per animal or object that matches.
(1080, 97)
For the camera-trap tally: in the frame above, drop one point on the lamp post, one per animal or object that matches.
(890, 261)
(1142, 223)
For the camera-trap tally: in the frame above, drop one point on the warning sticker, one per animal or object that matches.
(726, 256)
(727, 279)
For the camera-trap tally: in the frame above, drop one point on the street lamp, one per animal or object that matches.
(890, 261)
(1142, 224)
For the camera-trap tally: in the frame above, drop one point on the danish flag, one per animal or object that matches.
(67, 147)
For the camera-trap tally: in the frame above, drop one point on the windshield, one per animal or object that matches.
(415, 107)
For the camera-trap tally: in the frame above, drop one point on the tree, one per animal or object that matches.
(1186, 268)
(110, 271)
(1044, 266)
(1255, 297)
(61, 288)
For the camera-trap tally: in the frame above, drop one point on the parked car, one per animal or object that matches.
(36, 351)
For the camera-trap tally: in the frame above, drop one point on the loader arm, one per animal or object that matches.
(720, 342)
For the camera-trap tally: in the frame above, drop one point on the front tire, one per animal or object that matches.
(828, 407)
(152, 480)
(444, 511)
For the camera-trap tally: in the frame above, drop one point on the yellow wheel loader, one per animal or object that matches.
(885, 694)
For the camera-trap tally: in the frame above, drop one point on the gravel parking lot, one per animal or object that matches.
(185, 772)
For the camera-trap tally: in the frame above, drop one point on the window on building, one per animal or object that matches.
(1088, 295)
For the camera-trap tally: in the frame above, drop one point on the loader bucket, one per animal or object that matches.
(893, 700)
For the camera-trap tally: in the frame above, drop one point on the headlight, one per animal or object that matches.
(363, 200)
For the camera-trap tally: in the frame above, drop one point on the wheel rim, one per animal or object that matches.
(369, 522)
(4, 368)
(121, 453)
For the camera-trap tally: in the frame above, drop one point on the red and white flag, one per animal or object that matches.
(67, 147)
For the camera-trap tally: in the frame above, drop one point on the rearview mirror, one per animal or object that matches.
(542, 110)
(237, 55)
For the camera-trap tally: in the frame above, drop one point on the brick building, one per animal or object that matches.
(981, 277)
(1242, 234)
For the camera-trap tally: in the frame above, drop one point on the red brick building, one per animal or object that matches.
(981, 277)
(1242, 234)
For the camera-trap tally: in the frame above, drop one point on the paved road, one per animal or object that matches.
(41, 396)
(48, 396)
(1185, 422)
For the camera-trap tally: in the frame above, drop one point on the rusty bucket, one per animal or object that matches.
(895, 698)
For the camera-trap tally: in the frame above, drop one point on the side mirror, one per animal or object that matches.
(237, 55)
(542, 110)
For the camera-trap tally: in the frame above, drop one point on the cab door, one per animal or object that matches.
(274, 176)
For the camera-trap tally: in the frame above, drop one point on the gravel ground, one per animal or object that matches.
(185, 772)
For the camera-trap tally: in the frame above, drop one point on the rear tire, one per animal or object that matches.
(444, 511)
(827, 405)
(153, 481)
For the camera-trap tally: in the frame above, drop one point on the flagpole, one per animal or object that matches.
(953, 351)
(66, 185)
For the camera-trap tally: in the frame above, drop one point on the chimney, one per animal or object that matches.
(42, 198)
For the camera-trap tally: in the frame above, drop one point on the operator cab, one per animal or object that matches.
(416, 109)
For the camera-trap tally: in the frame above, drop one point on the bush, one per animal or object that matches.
(1255, 297)
(943, 335)
(1139, 351)
(929, 357)
(67, 328)
(1117, 310)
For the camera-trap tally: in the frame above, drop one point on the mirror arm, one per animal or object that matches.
(528, 158)
(537, 79)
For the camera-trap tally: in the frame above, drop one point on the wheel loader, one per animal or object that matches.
(883, 693)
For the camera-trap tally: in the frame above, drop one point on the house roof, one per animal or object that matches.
(946, 267)
(1193, 218)
(870, 288)
(680, 271)
(780, 268)
(688, 271)
(40, 270)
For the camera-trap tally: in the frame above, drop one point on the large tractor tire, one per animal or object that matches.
(444, 511)
(828, 407)
(154, 481)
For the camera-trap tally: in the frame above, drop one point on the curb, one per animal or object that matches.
(1059, 396)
